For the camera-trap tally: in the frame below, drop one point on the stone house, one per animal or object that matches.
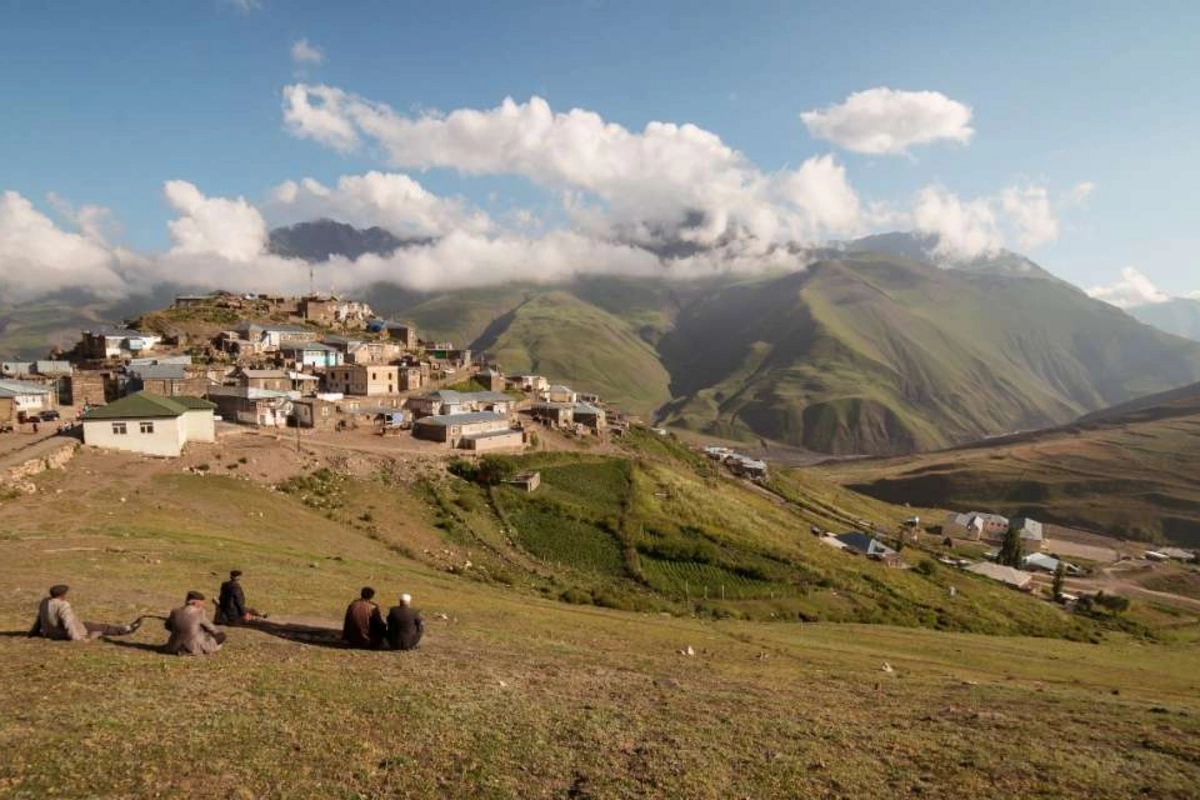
(363, 379)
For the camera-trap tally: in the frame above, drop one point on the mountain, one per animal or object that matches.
(874, 353)
(922, 247)
(1179, 315)
(1131, 471)
(561, 336)
(319, 240)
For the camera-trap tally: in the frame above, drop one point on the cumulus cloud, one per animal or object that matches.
(304, 53)
(1028, 209)
(231, 229)
(964, 229)
(390, 200)
(1131, 290)
(969, 229)
(666, 185)
(37, 257)
(92, 221)
(884, 121)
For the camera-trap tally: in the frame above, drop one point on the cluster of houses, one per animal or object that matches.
(738, 464)
(979, 526)
(275, 374)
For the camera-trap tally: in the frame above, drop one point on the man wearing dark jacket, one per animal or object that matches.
(231, 604)
(364, 626)
(404, 625)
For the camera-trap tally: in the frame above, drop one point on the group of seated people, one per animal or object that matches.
(191, 632)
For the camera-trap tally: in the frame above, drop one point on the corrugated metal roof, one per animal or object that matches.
(15, 388)
(160, 372)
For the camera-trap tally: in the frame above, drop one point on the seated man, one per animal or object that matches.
(191, 632)
(56, 620)
(405, 625)
(364, 626)
(231, 603)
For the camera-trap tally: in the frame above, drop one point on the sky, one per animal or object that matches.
(147, 142)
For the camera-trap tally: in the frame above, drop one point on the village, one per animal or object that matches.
(332, 369)
(328, 371)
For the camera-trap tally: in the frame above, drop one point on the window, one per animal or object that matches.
(146, 427)
(119, 428)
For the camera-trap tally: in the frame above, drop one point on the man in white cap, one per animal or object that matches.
(404, 625)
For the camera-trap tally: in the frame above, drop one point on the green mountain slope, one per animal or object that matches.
(877, 354)
(558, 335)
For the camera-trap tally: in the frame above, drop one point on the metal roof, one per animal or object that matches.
(15, 388)
(865, 543)
(294, 346)
(147, 405)
(160, 372)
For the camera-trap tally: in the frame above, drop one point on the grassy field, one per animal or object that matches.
(512, 695)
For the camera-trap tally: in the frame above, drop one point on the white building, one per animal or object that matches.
(18, 396)
(150, 424)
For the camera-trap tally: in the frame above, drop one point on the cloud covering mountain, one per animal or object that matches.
(671, 200)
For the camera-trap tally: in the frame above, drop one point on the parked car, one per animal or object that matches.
(48, 416)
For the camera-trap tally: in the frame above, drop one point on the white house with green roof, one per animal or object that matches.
(150, 424)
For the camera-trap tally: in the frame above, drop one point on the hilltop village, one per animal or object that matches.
(316, 363)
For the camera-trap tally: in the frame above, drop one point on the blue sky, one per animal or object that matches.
(103, 102)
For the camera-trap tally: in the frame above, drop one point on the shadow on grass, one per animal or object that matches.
(16, 635)
(295, 632)
(143, 646)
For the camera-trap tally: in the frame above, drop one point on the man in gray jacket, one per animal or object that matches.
(56, 620)
(191, 632)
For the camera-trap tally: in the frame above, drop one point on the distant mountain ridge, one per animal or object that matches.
(322, 239)
(1179, 316)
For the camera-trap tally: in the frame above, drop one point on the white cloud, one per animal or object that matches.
(317, 112)
(246, 6)
(1028, 209)
(884, 121)
(231, 229)
(390, 200)
(37, 257)
(820, 190)
(1079, 193)
(965, 229)
(666, 185)
(1132, 290)
(92, 221)
(304, 53)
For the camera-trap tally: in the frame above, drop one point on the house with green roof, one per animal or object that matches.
(150, 424)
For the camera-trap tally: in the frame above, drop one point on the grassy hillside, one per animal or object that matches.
(875, 354)
(511, 695)
(1132, 471)
(558, 335)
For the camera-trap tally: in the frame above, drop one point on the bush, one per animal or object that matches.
(926, 567)
(576, 597)
(488, 471)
